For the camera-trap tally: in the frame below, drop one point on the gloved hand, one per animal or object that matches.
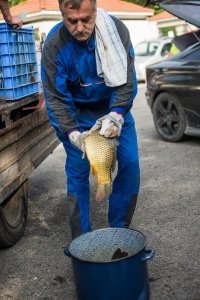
(110, 125)
(77, 139)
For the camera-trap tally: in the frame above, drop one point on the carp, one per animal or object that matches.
(101, 153)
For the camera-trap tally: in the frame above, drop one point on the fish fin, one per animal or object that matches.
(113, 165)
(93, 171)
(114, 161)
(103, 191)
(116, 142)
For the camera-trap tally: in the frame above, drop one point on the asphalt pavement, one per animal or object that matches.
(167, 213)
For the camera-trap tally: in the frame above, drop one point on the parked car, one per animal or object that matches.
(173, 86)
(150, 52)
(173, 94)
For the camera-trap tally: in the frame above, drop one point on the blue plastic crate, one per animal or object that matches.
(8, 34)
(9, 71)
(18, 64)
(20, 92)
(6, 48)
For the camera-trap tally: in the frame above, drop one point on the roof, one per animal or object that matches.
(162, 16)
(30, 6)
(121, 6)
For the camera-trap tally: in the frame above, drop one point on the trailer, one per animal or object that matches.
(26, 139)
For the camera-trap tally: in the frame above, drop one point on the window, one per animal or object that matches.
(141, 49)
(153, 46)
(166, 49)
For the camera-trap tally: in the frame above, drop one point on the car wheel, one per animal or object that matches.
(13, 216)
(169, 118)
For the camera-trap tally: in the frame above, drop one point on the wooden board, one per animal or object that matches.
(24, 144)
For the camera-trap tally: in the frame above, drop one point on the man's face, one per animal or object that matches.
(80, 22)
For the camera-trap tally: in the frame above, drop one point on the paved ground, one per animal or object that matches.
(168, 213)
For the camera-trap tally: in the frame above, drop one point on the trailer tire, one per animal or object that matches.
(13, 217)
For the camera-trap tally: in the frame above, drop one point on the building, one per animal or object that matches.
(169, 25)
(44, 14)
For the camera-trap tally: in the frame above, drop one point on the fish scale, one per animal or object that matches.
(101, 153)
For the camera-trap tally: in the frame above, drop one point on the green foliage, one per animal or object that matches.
(15, 2)
(36, 35)
(156, 8)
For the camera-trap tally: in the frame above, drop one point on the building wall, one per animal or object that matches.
(141, 30)
(178, 26)
(44, 26)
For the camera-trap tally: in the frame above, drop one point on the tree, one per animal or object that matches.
(156, 8)
(15, 2)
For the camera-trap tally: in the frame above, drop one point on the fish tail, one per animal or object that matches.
(103, 191)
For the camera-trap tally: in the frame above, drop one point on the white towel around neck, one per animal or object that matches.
(111, 57)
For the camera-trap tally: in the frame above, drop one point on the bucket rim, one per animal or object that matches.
(107, 261)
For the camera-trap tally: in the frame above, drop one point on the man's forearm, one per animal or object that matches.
(5, 9)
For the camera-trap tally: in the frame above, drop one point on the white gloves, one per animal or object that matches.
(77, 138)
(110, 125)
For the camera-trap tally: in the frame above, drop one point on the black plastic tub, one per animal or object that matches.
(110, 264)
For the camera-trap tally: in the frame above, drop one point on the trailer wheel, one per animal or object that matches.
(13, 216)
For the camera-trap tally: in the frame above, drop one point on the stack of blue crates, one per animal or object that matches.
(19, 76)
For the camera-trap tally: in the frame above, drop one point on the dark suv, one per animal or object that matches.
(173, 85)
(173, 94)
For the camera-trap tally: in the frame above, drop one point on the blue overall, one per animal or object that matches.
(87, 98)
(125, 185)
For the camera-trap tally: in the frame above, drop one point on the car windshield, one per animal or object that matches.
(146, 48)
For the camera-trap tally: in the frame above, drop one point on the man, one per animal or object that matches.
(12, 20)
(86, 86)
